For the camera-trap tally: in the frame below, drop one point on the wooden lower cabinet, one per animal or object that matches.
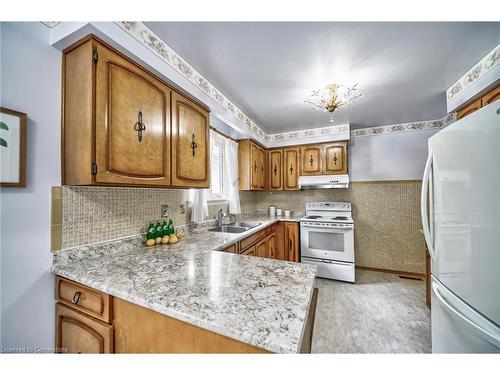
(261, 248)
(271, 246)
(141, 330)
(78, 333)
(249, 251)
(291, 241)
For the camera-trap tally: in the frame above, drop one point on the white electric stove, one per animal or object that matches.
(327, 239)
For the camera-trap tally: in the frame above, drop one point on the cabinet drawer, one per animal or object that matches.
(85, 299)
(246, 242)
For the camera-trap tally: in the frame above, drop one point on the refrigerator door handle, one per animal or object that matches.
(423, 206)
(492, 338)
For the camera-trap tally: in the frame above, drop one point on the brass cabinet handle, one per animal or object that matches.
(262, 168)
(139, 127)
(194, 145)
(275, 169)
(291, 168)
(290, 244)
(334, 158)
(76, 297)
(255, 166)
(311, 160)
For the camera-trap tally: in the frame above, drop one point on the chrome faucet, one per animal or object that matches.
(220, 217)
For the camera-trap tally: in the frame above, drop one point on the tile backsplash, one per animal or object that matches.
(86, 215)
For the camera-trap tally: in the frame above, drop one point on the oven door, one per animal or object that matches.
(327, 243)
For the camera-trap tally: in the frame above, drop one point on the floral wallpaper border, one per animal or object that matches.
(487, 63)
(149, 39)
(406, 127)
(308, 133)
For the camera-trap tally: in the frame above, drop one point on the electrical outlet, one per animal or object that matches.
(164, 213)
(182, 208)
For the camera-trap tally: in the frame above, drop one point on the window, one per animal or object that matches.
(218, 173)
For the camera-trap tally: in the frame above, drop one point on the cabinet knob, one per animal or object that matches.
(291, 168)
(311, 160)
(76, 297)
(139, 127)
(275, 169)
(255, 166)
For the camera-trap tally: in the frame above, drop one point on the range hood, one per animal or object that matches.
(333, 181)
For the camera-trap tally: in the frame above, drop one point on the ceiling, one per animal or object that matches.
(268, 68)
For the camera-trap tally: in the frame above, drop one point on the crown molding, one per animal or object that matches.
(405, 127)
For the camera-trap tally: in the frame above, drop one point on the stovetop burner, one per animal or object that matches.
(340, 218)
(313, 217)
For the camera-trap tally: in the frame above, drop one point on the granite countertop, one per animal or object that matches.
(261, 302)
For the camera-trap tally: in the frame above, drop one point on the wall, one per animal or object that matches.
(30, 83)
(399, 156)
(86, 215)
(386, 220)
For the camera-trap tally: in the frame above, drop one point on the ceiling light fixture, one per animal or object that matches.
(332, 97)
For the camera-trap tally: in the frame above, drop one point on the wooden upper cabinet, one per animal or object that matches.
(252, 160)
(491, 97)
(190, 144)
(473, 107)
(275, 168)
(311, 163)
(334, 158)
(116, 127)
(132, 123)
(291, 168)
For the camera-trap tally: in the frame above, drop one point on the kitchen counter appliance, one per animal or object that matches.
(327, 239)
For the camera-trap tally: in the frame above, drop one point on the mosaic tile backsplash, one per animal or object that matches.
(96, 214)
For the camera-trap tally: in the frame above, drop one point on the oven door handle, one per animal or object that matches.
(326, 228)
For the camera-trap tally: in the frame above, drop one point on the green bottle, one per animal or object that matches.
(164, 230)
(171, 229)
(151, 233)
(158, 230)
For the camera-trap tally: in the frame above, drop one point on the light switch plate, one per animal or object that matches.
(164, 212)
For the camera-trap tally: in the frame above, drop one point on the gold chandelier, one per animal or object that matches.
(332, 97)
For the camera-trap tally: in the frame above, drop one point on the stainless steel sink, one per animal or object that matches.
(229, 229)
(246, 224)
(235, 227)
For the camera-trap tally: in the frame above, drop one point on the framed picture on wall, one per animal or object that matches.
(12, 148)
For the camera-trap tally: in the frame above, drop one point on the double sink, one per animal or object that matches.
(235, 227)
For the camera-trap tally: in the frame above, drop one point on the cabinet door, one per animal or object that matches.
(79, 333)
(132, 128)
(261, 248)
(190, 144)
(279, 232)
(291, 168)
(311, 160)
(291, 241)
(262, 170)
(473, 107)
(490, 97)
(249, 251)
(271, 246)
(335, 158)
(255, 165)
(275, 170)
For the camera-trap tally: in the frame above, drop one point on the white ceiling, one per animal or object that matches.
(268, 69)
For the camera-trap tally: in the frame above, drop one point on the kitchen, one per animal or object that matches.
(184, 210)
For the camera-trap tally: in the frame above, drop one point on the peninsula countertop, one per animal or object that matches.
(259, 301)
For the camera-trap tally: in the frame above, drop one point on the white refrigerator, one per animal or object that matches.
(461, 224)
